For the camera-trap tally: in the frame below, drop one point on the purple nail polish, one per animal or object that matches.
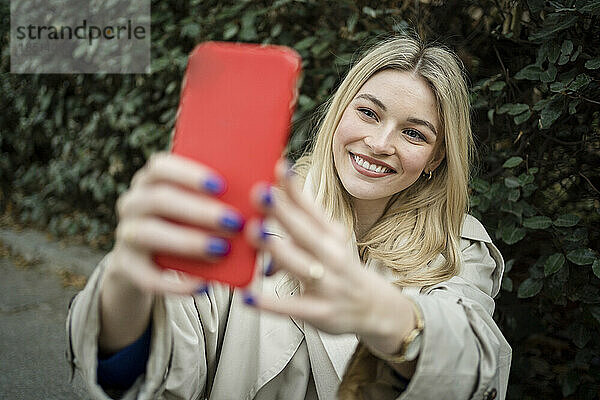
(269, 270)
(232, 221)
(249, 299)
(267, 197)
(264, 235)
(202, 289)
(214, 185)
(218, 247)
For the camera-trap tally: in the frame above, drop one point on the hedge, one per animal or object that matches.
(70, 143)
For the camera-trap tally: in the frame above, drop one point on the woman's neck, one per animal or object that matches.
(367, 213)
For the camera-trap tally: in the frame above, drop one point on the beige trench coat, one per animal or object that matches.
(215, 346)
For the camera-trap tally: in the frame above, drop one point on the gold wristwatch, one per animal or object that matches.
(411, 345)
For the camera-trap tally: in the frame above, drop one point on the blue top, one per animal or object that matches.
(120, 370)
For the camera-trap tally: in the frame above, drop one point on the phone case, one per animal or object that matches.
(234, 116)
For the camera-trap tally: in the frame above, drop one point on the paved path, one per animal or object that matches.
(33, 307)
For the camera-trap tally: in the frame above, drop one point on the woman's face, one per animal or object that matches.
(392, 123)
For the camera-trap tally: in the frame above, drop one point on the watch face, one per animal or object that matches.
(413, 348)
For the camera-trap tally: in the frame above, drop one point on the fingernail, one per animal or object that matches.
(249, 299)
(232, 221)
(267, 197)
(214, 184)
(202, 289)
(218, 247)
(263, 232)
(269, 270)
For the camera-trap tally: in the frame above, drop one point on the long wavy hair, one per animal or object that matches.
(424, 220)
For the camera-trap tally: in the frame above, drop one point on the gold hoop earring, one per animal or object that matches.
(430, 175)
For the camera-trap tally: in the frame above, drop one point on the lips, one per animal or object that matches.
(373, 161)
(368, 172)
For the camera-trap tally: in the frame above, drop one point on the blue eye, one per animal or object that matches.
(368, 112)
(414, 134)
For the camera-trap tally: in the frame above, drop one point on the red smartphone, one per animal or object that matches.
(234, 116)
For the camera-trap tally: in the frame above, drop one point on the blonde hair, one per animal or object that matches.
(425, 219)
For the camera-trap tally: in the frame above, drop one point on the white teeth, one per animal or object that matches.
(372, 167)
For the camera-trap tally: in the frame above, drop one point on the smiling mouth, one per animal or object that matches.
(368, 169)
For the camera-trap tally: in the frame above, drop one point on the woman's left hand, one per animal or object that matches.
(340, 295)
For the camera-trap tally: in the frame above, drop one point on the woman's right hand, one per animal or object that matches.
(167, 188)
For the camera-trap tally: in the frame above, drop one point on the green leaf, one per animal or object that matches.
(577, 53)
(319, 48)
(480, 185)
(551, 112)
(504, 108)
(538, 222)
(518, 108)
(515, 209)
(596, 267)
(531, 72)
(582, 80)
(507, 284)
(512, 234)
(511, 182)
(566, 220)
(529, 288)
(190, 30)
(557, 86)
(553, 264)
(519, 119)
(581, 256)
(594, 63)
(248, 30)
(490, 115)
(305, 43)
(567, 47)
(554, 23)
(508, 266)
(230, 31)
(573, 106)
(514, 195)
(351, 22)
(526, 179)
(565, 52)
(553, 52)
(497, 86)
(550, 74)
(512, 162)
(369, 11)
(276, 30)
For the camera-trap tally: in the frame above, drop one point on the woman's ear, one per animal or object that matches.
(437, 158)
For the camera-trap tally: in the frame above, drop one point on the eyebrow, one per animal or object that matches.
(423, 122)
(414, 120)
(372, 99)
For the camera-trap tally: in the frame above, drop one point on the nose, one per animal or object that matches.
(381, 141)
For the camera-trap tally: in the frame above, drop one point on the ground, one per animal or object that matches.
(39, 278)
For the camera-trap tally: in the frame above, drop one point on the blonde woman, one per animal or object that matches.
(378, 286)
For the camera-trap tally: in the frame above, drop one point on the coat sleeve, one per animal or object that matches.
(186, 335)
(463, 353)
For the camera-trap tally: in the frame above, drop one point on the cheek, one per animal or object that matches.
(346, 131)
(414, 159)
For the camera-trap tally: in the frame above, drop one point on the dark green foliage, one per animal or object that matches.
(71, 143)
